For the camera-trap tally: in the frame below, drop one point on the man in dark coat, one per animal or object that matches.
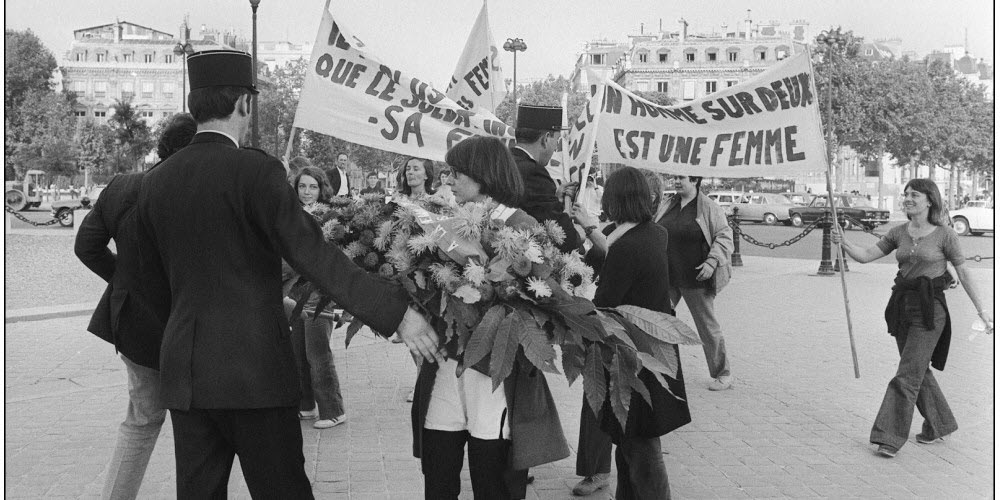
(131, 314)
(537, 135)
(220, 219)
(340, 182)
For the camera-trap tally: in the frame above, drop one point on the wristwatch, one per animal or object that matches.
(589, 229)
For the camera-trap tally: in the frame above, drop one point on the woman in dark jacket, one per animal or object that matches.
(917, 315)
(632, 274)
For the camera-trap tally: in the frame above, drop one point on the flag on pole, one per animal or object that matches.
(557, 168)
(478, 79)
(350, 94)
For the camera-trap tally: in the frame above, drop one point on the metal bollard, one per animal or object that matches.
(736, 260)
(825, 264)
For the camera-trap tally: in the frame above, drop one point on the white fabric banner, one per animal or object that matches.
(557, 164)
(580, 145)
(351, 95)
(478, 80)
(767, 126)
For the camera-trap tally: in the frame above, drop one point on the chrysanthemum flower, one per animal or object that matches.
(475, 273)
(533, 252)
(354, 250)
(445, 275)
(421, 243)
(384, 236)
(469, 220)
(538, 287)
(400, 258)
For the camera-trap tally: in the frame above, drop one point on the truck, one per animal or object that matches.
(25, 194)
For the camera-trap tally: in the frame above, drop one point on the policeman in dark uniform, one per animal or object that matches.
(218, 219)
(537, 135)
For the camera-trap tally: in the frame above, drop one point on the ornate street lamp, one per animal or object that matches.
(182, 50)
(254, 132)
(514, 45)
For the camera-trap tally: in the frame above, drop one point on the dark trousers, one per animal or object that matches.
(593, 451)
(914, 385)
(317, 373)
(443, 454)
(641, 472)
(267, 440)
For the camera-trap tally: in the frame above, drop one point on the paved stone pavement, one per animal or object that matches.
(795, 425)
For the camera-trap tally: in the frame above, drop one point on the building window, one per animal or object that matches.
(79, 87)
(642, 86)
(597, 59)
(734, 55)
(643, 57)
(100, 89)
(593, 90)
(79, 114)
(80, 57)
(712, 56)
(689, 56)
(147, 90)
(711, 87)
(100, 114)
(128, 90)
(102, 56)
(168, 89)
(730, 83)
(166, 114)
(146, 114)
(127, 57)
(761, 54)
(662, 87)
(664, 56)
(169, 58)
(148, 58)
(689, 90)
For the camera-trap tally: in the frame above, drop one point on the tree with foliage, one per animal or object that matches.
(95, 143)
(133, 140)
(42, 137)
(28, 66)
(547, 92)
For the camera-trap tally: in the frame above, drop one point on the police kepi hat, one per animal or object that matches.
(221, 68)
(540, 117)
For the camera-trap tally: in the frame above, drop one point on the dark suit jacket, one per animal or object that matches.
(220, 219)
(635, 272)
(334, 176)
(540, 200)
(134, 308)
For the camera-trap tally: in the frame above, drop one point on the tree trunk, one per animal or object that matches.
(953, 189)
(881, 180)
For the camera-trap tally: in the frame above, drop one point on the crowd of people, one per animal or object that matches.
(212, 240)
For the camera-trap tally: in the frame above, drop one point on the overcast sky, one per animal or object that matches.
(425, 38)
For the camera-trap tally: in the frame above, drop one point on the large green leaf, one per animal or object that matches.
(595, 384)
(653, 365)
(620, 388)
(573, 358)
(481, 341)
(615, 329)
(632, 365)
(505, 348)
(535, 344)
(662, 326)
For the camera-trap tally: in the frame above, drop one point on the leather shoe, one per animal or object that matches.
(886, 451)
(590, 484)
(722, 383)
(925, 439)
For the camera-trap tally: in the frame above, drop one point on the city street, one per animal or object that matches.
(795, 424)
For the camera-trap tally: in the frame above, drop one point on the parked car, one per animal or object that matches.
(63, 209)
(725, 199)
(801, 199)
(857, 207)
(975, 218)
(767, 208)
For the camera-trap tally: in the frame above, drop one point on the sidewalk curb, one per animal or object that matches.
(48, 312)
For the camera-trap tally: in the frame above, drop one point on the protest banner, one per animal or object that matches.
(766, 126)
(351, 95)
(478, 80)
(580, 144)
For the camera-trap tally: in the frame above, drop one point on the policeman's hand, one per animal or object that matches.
(705, 270)
(568, 189)
(582, 216)
(420, 337)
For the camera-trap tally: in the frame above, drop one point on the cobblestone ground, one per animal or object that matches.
(795, 425)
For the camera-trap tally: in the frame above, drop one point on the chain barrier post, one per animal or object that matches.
(825, 264)
(737, 259)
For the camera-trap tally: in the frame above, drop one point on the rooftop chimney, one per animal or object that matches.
(749, 25)
(117, 28)
(642, 28)
(684, 29)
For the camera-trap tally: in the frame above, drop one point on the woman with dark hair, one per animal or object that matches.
(701, 243)
(632, 272)
(507, 430)
(178, 132)
(917, 315)
(416, 177)
(311, 333)
(443, 187)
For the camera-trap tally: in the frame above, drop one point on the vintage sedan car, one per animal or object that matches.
(975, 218)
(857, 207)
(801, 199)
(766, 208)
(63, 209)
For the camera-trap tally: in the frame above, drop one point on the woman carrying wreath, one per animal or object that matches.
(507, 430)
(633, 271)
(917, 315)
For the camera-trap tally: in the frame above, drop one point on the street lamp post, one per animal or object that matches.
(254, 132)
(182, 50)
(514, 45)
